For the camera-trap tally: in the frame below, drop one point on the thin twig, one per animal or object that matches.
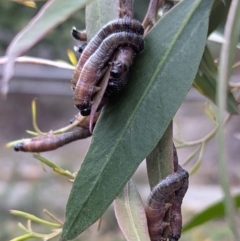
(150, 18)
(231, 35)
(125, 8)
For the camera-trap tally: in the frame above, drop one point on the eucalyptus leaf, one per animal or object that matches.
(206, 82)
(134, 121)
(50, 15)
(98, 13)
(218, 14)
(212, 212)
(130, 214)
(160, 160)
(209, 89)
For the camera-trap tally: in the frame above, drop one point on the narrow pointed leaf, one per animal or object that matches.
(98, 13)
(209, 89)
(218, 14)
(212, 212)
(134, 121)
(130, 214)
(206, 83)
(51, 14)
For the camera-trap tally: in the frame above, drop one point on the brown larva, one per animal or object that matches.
(93, 68)
(123, 59)
(79, 35)
(50, 141)
(175, 184)
(118, 25)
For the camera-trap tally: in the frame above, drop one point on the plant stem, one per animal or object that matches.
(227, 56)
(159, 161)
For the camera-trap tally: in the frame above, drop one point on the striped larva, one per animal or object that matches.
(175, 184)
(118, 25)
(123, 59)
(93, 68)
(176, 214)
(50, 141)
(167, 195)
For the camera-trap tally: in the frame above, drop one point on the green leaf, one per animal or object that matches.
(130, 214)
(218, 14)
(206, 82)
(210, 213)
(98, 13)
(160, 160)
(133, 122)
(51, 14)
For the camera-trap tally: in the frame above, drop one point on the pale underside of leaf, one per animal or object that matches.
(130, 213)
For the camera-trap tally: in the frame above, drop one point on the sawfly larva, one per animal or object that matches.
(167, 195)
(51, 141)
(118, 25)
(174, 184)
(93, 68)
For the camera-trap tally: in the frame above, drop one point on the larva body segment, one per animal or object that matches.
(118, 25)
(50, 141)
(93, 68)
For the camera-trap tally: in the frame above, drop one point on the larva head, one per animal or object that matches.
(117, 69)
(86, 111)
(19, 147)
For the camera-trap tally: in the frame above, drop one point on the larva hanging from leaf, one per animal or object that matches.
(118, 25)
(93, 69)
(50, 141)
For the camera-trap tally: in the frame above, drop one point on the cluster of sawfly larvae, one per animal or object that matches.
(115, 47)
(121, 39)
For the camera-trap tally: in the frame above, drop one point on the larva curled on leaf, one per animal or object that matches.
(117, 25)
(123, 59)
(94, 67)
(51, 141)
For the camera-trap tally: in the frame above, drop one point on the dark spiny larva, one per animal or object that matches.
(93, 68)
(118, 25)
(50, 141)
(177, 184)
